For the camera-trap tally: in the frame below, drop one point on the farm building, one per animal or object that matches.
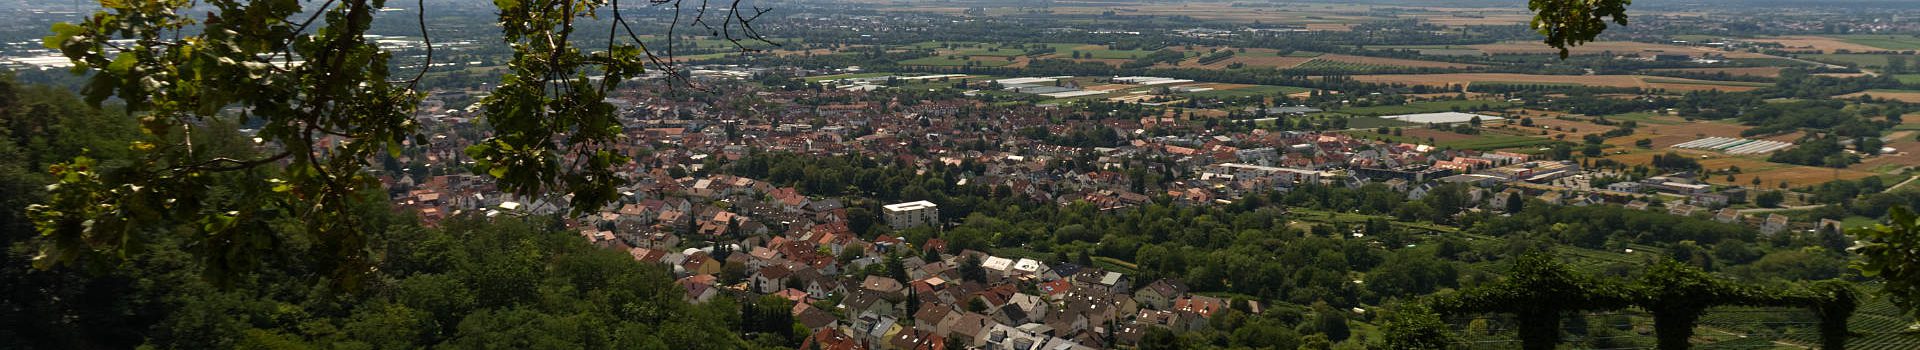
(1735, 146)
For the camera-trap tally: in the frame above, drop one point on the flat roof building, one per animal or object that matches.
(902, 216)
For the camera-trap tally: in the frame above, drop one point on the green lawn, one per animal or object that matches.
(1256, 90)
(1424, 107)
(1884, 41)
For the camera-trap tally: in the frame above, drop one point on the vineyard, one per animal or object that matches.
(1324, 65)
(1877, 325)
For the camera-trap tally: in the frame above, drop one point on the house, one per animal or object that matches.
(875, 328)
(1554, 198)
(698, 288)
(1830, 225)
(815, 318)
(1500, 201)
(1101, 280)
(1682, 209)
(936, 318)
(1202, 305)
(1160, 294)
(1710, 200)
(1775, 223)
(830, 339)
(917, 340)
(771, 279)
(1727, 215)
(1397, 184)
(816, 285)
(866, 302)
(700, 263)
(969, 326)
(883, 285)
(1421, 191)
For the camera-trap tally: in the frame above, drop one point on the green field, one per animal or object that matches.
(1909, 79)
(1884, 41)
(816, 79)
(1491, 141)
(1706, 82)
(1642, 118)
(1435, 50)
(1850, 59)
(1256, 90)
(1770, 62)
(1106, 54)
(1695, 37)
(1424, 107)
(956, 61)
(1366, 122)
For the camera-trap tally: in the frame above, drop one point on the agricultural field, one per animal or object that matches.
(1488, 140)
(1613, 47)
(1342, 66)
(1435, 50)
(1911, 96)
(1470, 78)
(1101, 52)
(1555, 126)
(1883, 41)
(1734, 71)
(1625, 81)
(1369, 122)
(1906, 154)
(1256, 58)
(1427, 107)
(1667, 83)
(1851, 59)
(1393, 62)
(1909, 79)
(1770, 174)
(957, 61)
(1645, 118)
(1825, 44)
(820, 78)
(1667, 135)
(1497, 141)
(1237, 90)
